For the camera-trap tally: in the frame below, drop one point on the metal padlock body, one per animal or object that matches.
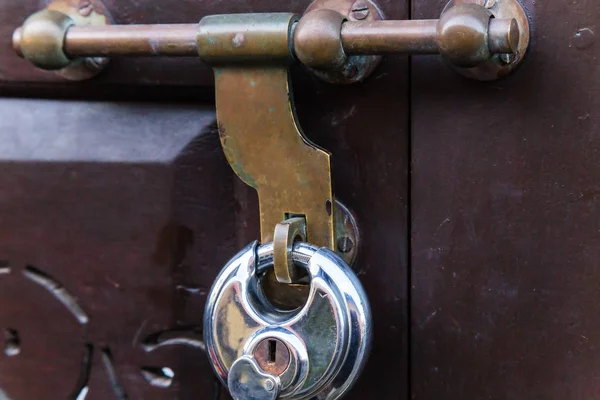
(329, 338)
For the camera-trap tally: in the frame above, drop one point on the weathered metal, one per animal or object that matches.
(246, 38)
(510, 18)
(318, 39)
(356, 67)
(42, 38)
(286, 233)
(172, 40)
(462, 35)
(273, 356)
(465, 36)
(259, 133)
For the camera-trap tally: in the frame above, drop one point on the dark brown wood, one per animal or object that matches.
(365, 126)
(504, 219)
(128, 205)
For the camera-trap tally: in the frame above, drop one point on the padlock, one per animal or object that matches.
(315, 351)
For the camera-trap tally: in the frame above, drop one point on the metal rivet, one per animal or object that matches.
(269, 385)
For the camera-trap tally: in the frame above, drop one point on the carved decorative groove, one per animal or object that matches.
(57, 290)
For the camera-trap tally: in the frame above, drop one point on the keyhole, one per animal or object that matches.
(272, 353)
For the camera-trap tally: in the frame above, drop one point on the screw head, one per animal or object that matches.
(507, 58)
(360, 10)
(85, 8)
(345, 244)
(269, 385)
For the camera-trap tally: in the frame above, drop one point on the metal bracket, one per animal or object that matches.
(261, 138)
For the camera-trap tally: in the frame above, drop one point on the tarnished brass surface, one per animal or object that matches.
(323, 41)
(381, 37)
(41, 39)
(347, 244)
(266, 149)
(44, 36)
(133, 40)
(286, 233)
(260, 135)
(462, 35)
(514, 36)
(318, 39)
(355, 67)
(504, 35)
(254, 38)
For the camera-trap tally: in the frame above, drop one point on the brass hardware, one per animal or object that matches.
(242, 38)
(510, 19)
(462, 35)
(466, 35)
(286, 233)
(356, 67)
(347, 241)
(257, 126)
(41, 38)
(318, 39)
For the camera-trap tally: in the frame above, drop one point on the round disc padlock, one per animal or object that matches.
(316, 351)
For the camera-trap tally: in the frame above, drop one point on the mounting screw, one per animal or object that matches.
(345, 244)
(507, 58)
(490, 3)
(269, 385)
(360, 10)
(85, 8)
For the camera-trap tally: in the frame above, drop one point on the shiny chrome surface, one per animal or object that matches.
(248, 381)
(328, 338)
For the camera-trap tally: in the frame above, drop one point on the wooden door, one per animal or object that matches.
(504, 211)
(118, 189)
(477, 205)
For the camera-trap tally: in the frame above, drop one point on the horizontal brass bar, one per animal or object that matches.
(176, 40)
(180, 40)
(380, 37)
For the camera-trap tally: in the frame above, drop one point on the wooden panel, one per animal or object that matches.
(128, 206)
(365, 126)
(505, 219)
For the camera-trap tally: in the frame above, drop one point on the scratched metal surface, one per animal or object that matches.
(505, 210)
(128, 206)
